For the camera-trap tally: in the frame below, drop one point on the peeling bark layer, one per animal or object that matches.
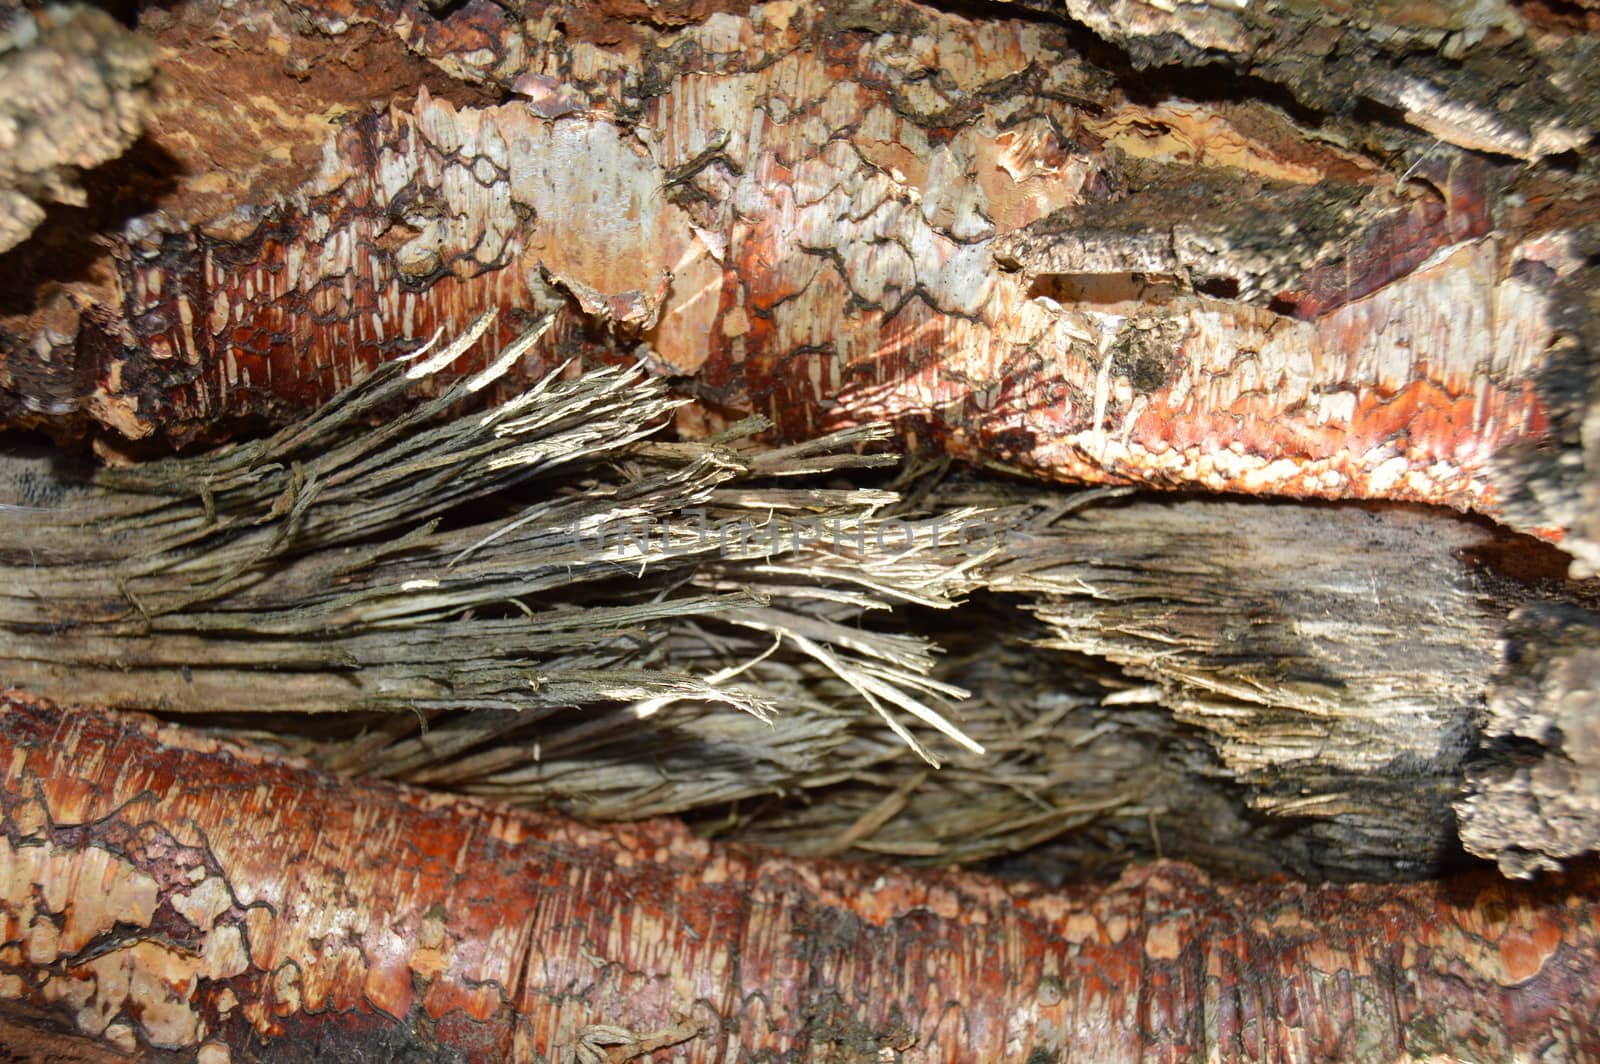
(166, 891)
(862, 211)
(1496, 77)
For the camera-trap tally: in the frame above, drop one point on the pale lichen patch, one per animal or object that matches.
(1164, 941)
(213, 1053)
(29, 817)
(286, 989)
(43, 944)
(122, 1036)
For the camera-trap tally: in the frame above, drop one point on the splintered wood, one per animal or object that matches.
(1322, 252)
(453, 601)
(172, 893)
(835, 216)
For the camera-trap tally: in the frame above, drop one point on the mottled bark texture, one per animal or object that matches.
(164, 892)
(1335, 260)
(1272, 249)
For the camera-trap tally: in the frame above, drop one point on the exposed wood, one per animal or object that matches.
(515, 563)
(1339, 659)
(1011, 243)
(541, 605)
(1350, 673)
(168, 892)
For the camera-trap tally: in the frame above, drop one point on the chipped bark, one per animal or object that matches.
(1007, 243)
(164, 891)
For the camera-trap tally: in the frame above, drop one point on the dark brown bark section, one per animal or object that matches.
(167, 890)
(1557, 483)
(1492, 78)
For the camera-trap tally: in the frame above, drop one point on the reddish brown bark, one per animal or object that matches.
(165, 890)
(1026, 257)
(1004, 237)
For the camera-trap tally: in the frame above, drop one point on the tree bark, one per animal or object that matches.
(1037, 256)
(1536, 798)
(77, 94)
(169, 893)
(1258, 249)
